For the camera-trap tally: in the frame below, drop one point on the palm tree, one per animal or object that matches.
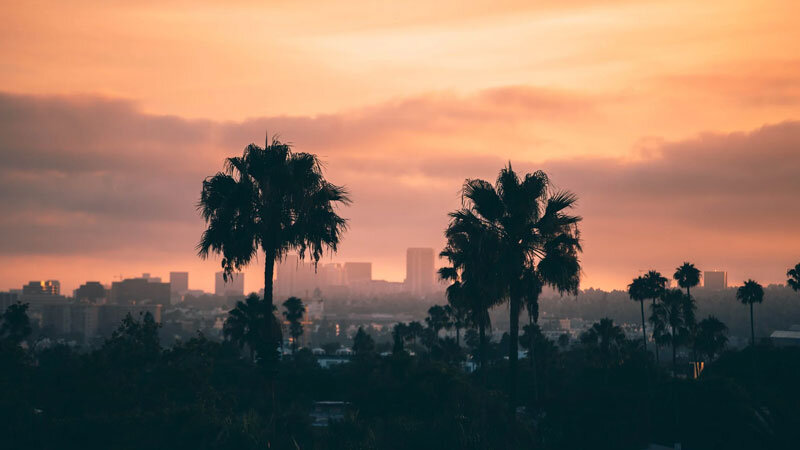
(794, 277)
(399, 335)
(363, 344)
(270, 200)
(687, 276)
(437, 319)
(295, 310)
(473, 252)
(654, 285)
(673, 319)
(246, 326)
(415, 331)
(637, 291)
(711, 338)
(608, 339)
(750, 293)
(535, 234)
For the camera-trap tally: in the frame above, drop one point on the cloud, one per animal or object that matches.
(92, 176)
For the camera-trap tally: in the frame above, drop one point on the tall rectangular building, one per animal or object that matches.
(234, 285)
(178, 282)
(420, 272)
(715, 279)
(357, 272)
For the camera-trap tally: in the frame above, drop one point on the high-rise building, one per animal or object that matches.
(357, 272)
(49, 287)
(91, 292)
(419, 270)
(178, 282)
(715, 279)
(234, 286)
(134, 291)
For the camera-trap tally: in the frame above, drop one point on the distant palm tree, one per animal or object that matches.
(535, 234)
(295, 310)
(711, 338)
(654, 284)
(673, 319)
(399, 335)
(437, 319)
(750, 293)
(245, 326)
(607, 339)
(794, 277)
(473, 251)
(687, 276)
(363, 344)
(415, 331)
(637, 291)
(270, 200)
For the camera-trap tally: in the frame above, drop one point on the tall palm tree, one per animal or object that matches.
(687, 276)
(608, 339)
(637, 291)
(794, 277)
(270, 200)
(295, 310)
(473, 251)
(245, 326)
(673, 319)
(535, 234)
(750, 293)
(655, 285)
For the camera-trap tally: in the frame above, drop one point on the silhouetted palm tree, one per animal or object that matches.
(637, 291)
(673, 319)
(687, 276)
(473, 251)
(437, 319)
(607, 339)
(15, 326)
(535, 235)
(750, 293)
(246, 326)
(711, 338)
(399, 336)
(270, 200)
(655, 284)
(295, 310)
(415, 331)
(794, 277)
(363, 344)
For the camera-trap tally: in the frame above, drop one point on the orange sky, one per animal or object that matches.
(107, 109)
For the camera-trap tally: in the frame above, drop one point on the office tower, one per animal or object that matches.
(357, 272)
(715, 279)
(49, 287)
(134, 291)
(234, 285)
(178, 282)
(91, 291)
(419, 270)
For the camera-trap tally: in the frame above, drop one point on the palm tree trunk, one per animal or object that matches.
(674, 361)
(513, 349)
(656, 343)
(752, 328)
(644, 330)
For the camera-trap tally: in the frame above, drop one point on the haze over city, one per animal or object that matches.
(675, 123)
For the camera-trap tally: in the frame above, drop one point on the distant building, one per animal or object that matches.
(357, 272)
(178, 282)
(782, 338)
(7, 299)
(233, 287)
(135, 291)
(91, 292)
(715, 279)
(420, 270)
(49, 287)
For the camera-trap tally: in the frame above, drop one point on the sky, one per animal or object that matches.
(676, 123)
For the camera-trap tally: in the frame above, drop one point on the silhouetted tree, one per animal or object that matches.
(607, 340)
(711, 338)
(295, 310)
(399, 336)
(415, 331)
(672, 319)
(687, 276)
(535, 235)
(271, 200)
(794, 277)
(638, 291)
(438, 319)
(750, 293)
(246, 326)
(654, 284)
(363, 344)
(15, 326)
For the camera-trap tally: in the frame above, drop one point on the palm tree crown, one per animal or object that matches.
(794, 277)
(246, 325)
(673, 319)
(295, 310)
(687, 276)
(638, 291)
(750, 293)
(272, 200)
